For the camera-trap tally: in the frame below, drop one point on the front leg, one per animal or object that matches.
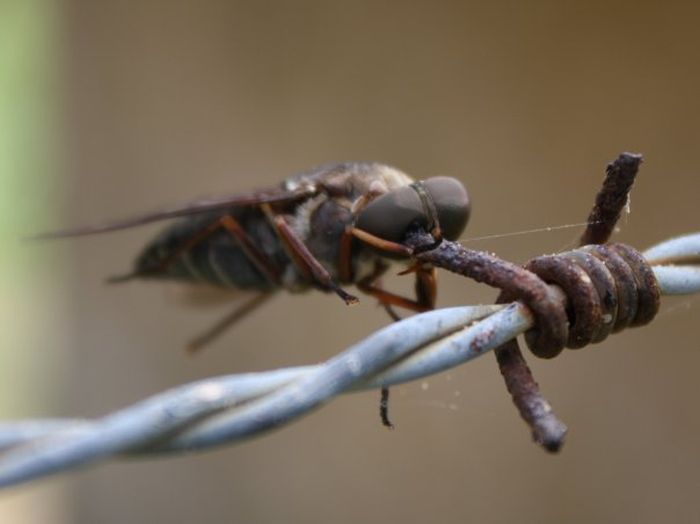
(425, 289)
(425, 283)
(426, 294)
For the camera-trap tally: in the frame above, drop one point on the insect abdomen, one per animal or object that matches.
(217, 259)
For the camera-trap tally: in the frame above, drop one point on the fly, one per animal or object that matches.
(335, 225)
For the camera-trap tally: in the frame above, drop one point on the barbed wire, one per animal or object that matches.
(229, 408)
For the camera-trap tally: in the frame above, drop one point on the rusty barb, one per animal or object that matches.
(567, 300)
(578, 297)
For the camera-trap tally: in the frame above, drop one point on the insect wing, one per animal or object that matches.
(269, 196)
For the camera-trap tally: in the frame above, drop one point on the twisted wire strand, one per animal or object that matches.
(229, 408)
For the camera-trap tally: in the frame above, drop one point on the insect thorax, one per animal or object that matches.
(321, 221)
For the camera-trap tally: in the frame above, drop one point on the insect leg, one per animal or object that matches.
(226, 322)
(261, 261)
(304, 259)
(384, 408)
(426, 287)
(380, 243)
(426, 294)
(345, 256)
(255, 255)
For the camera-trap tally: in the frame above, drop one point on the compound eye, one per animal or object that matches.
(391, 215)
(452, 204)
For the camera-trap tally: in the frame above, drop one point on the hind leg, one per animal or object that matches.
(259, 259)
(208, 336)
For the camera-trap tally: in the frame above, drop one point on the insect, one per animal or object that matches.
(335, 225)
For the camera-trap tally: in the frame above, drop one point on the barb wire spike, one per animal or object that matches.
(224, 409)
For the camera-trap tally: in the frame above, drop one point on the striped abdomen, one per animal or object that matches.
(217, 259)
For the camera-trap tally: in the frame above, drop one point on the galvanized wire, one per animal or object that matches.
(229, 408)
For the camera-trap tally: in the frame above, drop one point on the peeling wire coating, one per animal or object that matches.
(224, 409)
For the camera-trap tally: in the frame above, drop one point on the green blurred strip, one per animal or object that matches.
(33, 348)
(29, 95)
(30, 320)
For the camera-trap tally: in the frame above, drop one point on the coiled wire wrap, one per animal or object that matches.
(224, 409)
(609, 287)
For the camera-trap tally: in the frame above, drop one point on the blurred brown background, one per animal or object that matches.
(164, 101)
